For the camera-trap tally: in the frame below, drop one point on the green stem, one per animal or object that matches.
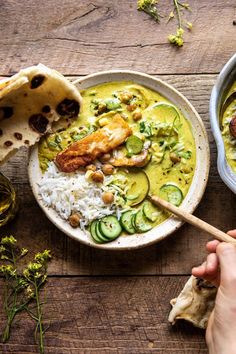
(39, 326)
(7, 330)
(178, 12)
(11, 312)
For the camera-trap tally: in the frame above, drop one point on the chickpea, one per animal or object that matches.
(107, 197)
(126, 97)
(174, 157)
(108, 169)
(186, 169)
(105, 157)
(131, 107)
(97, 177)
(74, 219)
(91, 168)
(137, 116)
(102, 108)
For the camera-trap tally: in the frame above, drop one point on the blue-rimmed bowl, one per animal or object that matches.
(224, 81)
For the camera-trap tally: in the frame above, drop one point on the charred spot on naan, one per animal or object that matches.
(46, 109)
(18, 136)
(37, 81)
(34, 102)
(6, 112)
(39, 123)
(68, 107)
(8, 143)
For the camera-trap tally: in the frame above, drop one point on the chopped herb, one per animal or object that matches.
(186, 154)
(145, 128)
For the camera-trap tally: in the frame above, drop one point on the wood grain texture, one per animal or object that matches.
(81, 37)
(90, 314)
(175, 255)
(108, 315)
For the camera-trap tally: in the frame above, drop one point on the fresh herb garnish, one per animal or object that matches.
(186, 154)
(151, 8)
(22, 288)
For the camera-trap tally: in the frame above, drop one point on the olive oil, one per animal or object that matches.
(8, 201)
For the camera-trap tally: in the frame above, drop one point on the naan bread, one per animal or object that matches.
(195, 302)
(30, 102)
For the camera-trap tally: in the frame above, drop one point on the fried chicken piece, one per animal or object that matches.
(83, 152)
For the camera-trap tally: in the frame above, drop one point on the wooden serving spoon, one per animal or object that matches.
(193, 220)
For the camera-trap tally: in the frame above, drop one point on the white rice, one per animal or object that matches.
(72, 192)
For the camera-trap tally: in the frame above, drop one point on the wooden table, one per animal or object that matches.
(115, 302)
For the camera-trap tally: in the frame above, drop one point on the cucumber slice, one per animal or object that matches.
(134, 145)
(109, 227)
(133, 221)
(126, 221)
(138, 185)
(141, 222)
(171, 193)
(150, 211)
(94, 233)
(100, 235)
(164, 111)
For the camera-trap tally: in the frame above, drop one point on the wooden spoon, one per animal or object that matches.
(193, 220)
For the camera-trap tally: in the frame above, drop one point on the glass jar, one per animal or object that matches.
(8, 200)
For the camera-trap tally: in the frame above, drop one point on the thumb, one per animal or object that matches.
(227, 259)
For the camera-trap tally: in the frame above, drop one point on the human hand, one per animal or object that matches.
(220, 269)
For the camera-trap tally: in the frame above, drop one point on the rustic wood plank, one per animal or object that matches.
(108, 315)
(80, 37)
(175, 255)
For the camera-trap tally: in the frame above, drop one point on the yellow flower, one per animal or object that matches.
(8, 270)
(4, 257)
(34, 267)
(171, 15)
(177, 39)
(186, 5)
(2, 249)
(29, 292)
(8, 240)
(180, 32)
(189, 25)
(145, 3)
(43, 256)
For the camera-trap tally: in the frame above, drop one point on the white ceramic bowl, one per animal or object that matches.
(224, 81)
(197, 187)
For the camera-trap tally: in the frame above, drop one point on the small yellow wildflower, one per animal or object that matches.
(171, 15)
(144, 3)
(43, 256)
(189, 25)
(29, 292)
(177, 39)
(186, 5)
(8, 240)
(23, 251)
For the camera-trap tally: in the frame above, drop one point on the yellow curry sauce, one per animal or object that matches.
(229, 140)
(152, 118)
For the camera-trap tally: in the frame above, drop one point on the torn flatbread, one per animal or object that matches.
(195, 302)
(30, 103)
